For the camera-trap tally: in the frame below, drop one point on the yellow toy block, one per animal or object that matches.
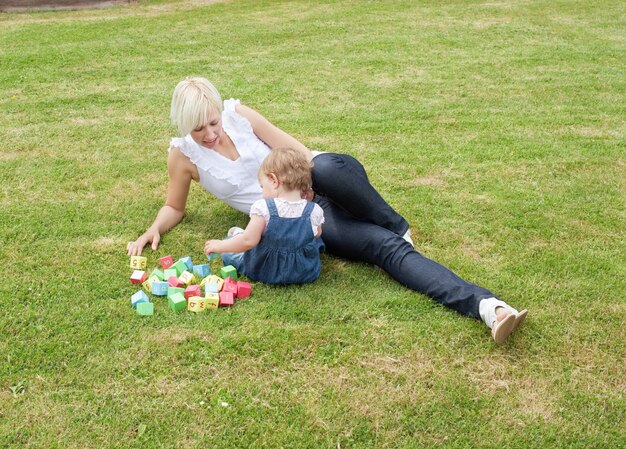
(147, 285)
(138, 262)
(187, 278)
(212, 301)
(196, 304)
(213, 279)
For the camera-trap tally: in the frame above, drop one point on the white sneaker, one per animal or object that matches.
(234, 231)
(407, 237)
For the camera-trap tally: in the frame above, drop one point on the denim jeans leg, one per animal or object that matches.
(343, 180)
(234, 259)
(347, 237)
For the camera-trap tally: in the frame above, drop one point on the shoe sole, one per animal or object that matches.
(503, 329)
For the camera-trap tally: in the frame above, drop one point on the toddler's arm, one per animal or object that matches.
(248, 239)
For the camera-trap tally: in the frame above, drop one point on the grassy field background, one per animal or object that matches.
(496, 128)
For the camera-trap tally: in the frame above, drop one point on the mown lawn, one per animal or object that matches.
(496, 128)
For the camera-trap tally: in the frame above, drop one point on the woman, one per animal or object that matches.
(222, 147)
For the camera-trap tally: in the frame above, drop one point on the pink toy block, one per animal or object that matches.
(193, 290)
(175, 282)
(227, 299)
(243, 289)
(230, 287)
(138, 277)
(166, 262)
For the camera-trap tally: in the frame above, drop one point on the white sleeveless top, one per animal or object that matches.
(234, 182)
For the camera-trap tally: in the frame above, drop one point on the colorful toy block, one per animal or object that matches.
(175, 282)
(193, 290)
(230, 287)
(212, 301)
(158, 273)
(147, 284)
(138, 277)
(229, 270)
(166, 262)
(243, 289)
(138, 297)
(179, 266)
(213, 256)
(187, 261)
(210, 287)
(214, 280)
(173, 290)
(196, 304)
(145, 309)
(227, 299)
(138, 262)
(160, 288)
(168, 273)
(177, 302)
(202, 270)
(187, 278)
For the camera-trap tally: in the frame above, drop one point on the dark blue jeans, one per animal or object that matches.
(360, 225)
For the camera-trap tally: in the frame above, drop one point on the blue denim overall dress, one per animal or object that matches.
(288, 252)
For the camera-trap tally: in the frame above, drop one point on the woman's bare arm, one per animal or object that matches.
(180, 172)
(273, 136)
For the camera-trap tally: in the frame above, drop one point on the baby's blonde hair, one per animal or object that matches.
(291, 167)
(193, 101)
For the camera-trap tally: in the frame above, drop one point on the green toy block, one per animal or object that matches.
(158, 273)
(229, 270)
(145, 308)
(168, 273)
(177, 302)
(180, 267)
(171, 291)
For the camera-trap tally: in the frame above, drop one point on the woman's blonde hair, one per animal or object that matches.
(193, 101)
(292, 168)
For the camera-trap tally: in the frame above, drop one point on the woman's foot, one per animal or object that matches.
(506, 323)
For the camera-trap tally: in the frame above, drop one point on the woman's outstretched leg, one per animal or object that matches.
(350, 238)
(343, 180)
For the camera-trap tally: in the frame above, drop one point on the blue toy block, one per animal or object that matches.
(188, 262)
(138, 297)
(213, 256)
(211, 287)
(159, 288)
(202, 271)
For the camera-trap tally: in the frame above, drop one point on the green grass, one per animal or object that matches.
(496, 128)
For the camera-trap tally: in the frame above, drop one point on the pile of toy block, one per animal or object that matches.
(182, 283)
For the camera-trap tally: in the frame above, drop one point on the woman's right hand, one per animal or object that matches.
(150, 236)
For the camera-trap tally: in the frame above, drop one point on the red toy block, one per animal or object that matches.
(193, 290)
(227, 299)
(243, 289)
(175, 282)
(138, 277)
(166, 262)
(230, 287)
